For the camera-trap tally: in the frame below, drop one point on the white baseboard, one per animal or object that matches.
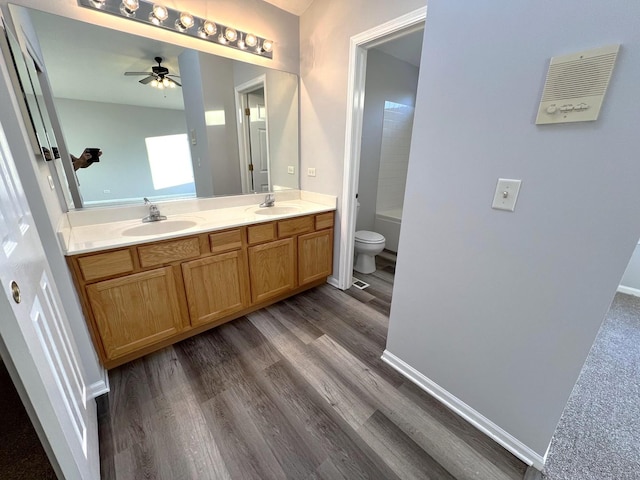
(100, 387)
(629, 291)
(475, 418)
(333, 281)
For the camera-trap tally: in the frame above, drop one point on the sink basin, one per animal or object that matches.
(283, 210)
(156, 228)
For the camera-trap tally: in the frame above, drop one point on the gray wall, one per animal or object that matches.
(120, 131)
(387, 79)
(500, 308)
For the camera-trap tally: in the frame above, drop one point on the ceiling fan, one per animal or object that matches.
(158, 77)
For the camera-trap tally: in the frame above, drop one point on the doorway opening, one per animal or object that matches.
(366, 139)
(251, 103)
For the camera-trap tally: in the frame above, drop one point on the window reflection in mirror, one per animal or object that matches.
(99, 106)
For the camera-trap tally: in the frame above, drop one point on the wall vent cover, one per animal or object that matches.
(575, 86)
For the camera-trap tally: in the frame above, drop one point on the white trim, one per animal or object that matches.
(100, 387)
(243, 141)
(353, 135)
(475, 418)
(333, 281)
(629, 290)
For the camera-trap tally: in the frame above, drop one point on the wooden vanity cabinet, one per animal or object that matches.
(272, 269)
(216, 286)
(140, 298)
(135, 311)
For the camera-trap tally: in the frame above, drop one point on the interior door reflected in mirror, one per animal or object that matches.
(170, 121)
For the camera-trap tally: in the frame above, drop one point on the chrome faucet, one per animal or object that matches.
(269, 200)
(154, 213)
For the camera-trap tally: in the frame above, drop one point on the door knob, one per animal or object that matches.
(15, 292)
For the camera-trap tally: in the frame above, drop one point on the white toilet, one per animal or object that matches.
(367, 246)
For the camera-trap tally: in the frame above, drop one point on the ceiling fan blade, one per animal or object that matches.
(144, 81)
(177, 83)
(171, 75)
(137, 73)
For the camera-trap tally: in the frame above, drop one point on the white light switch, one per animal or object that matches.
(291, 170)
(506, 194)
(311, 172)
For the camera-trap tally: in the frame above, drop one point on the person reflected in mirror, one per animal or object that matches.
(86, 158)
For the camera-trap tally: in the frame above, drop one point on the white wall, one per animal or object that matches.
(501, 309)
(325, 30)
(120, 131)
(388, 79)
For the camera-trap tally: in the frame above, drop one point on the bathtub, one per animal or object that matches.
(387, 223)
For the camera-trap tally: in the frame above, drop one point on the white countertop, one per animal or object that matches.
(84, 237)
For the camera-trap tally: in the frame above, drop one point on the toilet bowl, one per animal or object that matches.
(367, 246)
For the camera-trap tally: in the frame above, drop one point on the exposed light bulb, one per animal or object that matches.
(99, 3)
(251, 40)
(129, 7)
(185, 21)
(172, 84)
(166, 82)
(154, 83)
(160, 86)
(207, 29)
(159, 14)
(230, 34)
(221, 39)
(267, 45)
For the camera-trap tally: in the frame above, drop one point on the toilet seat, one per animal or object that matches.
(365, 236)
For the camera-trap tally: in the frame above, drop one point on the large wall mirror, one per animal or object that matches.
(214, 127)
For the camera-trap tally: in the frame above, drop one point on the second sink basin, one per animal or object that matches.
(156, 228)
(277, 210)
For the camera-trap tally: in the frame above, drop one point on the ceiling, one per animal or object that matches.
(297, 7)
(407, 48)
(88, 62)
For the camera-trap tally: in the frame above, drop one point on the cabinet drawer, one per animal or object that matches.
(167, 252)
(294, 226)
(261, 233)
(226, 241)
(324, 220)
(105, 264)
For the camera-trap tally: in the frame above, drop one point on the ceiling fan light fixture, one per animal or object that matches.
(154, 83)
(207, 29)
(166, 82)
(185, 21)
(129, 7)
(159, 14)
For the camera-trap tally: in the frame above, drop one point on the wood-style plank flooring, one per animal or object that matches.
(297, 391)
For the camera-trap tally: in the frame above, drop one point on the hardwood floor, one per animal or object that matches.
(296, 390)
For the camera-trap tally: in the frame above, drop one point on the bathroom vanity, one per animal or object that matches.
(155, 288)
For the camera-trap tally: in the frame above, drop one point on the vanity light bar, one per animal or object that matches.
(158, 15)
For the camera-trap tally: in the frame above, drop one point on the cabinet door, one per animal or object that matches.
(135, 311)
(272, 269)
(216, 286)
(315, 256)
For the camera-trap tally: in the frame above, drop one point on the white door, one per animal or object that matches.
(35, 334)
(258, 140)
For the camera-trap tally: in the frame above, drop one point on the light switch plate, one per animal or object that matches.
(506, 194)
(311, 172)
(291, 170)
